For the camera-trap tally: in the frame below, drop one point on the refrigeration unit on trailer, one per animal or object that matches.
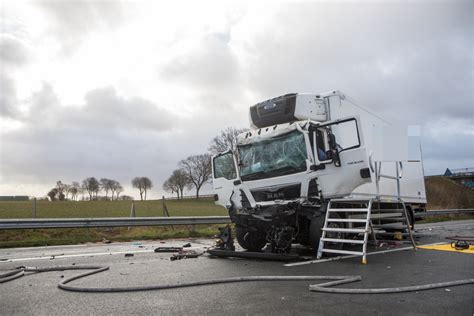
(319, 170)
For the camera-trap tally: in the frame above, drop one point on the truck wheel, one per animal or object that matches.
(249, 240)
(315, 232)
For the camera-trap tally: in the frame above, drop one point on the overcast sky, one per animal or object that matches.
(125, 89)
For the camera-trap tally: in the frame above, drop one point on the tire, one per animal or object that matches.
(315, 232)
(249, 240)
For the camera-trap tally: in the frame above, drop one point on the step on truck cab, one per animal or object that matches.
(302, 151)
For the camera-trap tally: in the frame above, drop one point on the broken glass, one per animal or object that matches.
(284, 154)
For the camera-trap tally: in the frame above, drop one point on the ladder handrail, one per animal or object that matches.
(377, 170)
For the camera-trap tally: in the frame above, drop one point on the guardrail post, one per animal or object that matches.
(132, 213)
(132, 210)
(165, 210)
(34, 208)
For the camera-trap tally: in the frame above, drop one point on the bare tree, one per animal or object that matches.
(137, 183)
(147, 184)
(170, 186)
(61, 188)
(227, 139)
(67, 190)
(176, 182)
(52, 194)
(181, 180)
(104, 185)
(74, 190)
(197, 169)
(91, 185)
(114, 187)
(143, 184)
(118, 190)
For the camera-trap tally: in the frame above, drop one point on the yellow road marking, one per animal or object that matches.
(447, 247)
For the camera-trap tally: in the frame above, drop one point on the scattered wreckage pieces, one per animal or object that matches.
(185, 254)
(222, 253)
(168, 249)
(179, 253)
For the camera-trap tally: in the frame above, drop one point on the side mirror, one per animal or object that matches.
(333, 152)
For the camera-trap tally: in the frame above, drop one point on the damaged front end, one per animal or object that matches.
(279, 223)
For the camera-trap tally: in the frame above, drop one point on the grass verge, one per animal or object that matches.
(71, 236)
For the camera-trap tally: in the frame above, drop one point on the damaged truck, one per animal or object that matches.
(306, 155)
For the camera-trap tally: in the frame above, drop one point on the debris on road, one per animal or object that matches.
(187, 245)
(129, 255)
(168, 249)
(224, 239)
(190, 254)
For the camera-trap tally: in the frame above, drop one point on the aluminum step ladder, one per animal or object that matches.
(331, 227)
(364, 220)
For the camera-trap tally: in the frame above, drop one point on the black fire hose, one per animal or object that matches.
(324, 287)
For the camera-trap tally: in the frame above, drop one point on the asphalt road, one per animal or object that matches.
(38, 293)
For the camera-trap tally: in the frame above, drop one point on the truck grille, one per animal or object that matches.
(290, 192)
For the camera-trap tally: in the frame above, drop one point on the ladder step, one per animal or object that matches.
(345, 252)
(347, 220)
(378, 216)
(355, 210)
(347, 241)
(391, 226)
(344, 230)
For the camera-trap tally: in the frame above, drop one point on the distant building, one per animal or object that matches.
(14, 197)
(465, 176)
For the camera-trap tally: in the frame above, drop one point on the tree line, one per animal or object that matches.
(195, 171)
(91, 187)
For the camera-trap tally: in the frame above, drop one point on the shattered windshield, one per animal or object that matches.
(284, 154)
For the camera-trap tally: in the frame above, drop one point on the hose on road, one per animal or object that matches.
(323, 287)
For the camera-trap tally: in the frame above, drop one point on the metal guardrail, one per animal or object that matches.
(33, 223)
(443, 212)
(110, 222)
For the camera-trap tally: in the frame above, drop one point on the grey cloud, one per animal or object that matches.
(103, 110)
(13, 55)
(449, 143)
(75, 20)
(210, 66)
(12, 51)
(8, 97)
(109, 135)
(394, 57)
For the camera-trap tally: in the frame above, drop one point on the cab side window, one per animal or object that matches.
(224, 167)
(347, 135)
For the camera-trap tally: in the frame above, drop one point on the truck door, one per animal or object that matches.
(346, 163)
(224, 173)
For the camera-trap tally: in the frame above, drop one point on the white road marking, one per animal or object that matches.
(355, 256)
(92, 254)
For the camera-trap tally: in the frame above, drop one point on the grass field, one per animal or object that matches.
(69, 209)
(88, 209)
(444, 193)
